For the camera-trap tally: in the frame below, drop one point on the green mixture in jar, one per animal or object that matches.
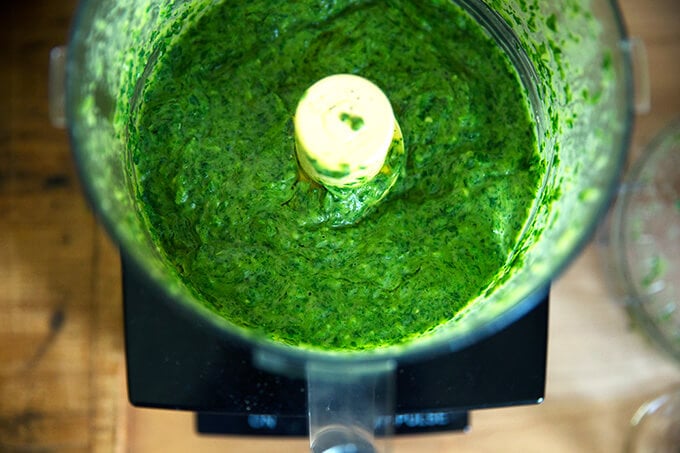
(214, 150)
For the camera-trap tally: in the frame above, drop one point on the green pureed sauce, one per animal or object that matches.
(214, 150)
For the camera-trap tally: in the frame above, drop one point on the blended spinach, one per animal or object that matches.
(213, 146)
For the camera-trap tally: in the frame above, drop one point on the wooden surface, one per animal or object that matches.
(61, 361)
(60, 306)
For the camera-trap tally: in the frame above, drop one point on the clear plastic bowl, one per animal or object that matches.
(644, 244)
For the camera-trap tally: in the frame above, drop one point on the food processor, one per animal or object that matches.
(574, 61)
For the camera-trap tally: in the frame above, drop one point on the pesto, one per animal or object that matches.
(214, 151)
(354, 122)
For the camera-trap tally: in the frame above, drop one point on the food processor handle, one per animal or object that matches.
(350, 406)
(637, 51)
(57, 87)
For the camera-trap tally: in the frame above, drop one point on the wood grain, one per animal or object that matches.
(62, 385)
(61, 359)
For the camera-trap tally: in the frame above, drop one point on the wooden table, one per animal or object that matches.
(62, 384)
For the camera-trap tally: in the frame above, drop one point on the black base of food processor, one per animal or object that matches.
(181, 362)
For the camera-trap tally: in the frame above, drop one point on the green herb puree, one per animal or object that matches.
(214, 151)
